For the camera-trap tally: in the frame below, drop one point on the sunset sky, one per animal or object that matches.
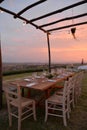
(27, 44)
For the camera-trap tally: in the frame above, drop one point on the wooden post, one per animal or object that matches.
(49, 54)
(0, 76)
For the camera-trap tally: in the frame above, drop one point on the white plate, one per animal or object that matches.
(31, 84)
(60, 76)
(51, 80)
(27, 79)
(37, 77)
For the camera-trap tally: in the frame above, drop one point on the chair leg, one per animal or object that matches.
(64, 119)
(10, 120)
(68, 107)
(19, 119)
(73, 104)
(68, 115)
(46, 111)
(34, 111)
(19, 123)
(10, 116)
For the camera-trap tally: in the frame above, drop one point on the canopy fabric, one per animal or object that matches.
(82, 67)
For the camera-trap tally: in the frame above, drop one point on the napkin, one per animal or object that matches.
(60, 76)
(30, 84)
(51, 80)
(37, 77)
(27, 79)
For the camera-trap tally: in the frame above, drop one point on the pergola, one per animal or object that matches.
(42, 27)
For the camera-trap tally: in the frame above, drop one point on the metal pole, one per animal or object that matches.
(0, 75)
(49, 54)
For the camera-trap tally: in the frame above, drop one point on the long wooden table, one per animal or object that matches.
(41, 84)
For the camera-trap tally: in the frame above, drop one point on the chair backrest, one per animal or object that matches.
(65, 92)
(71, 84)
(13, 93)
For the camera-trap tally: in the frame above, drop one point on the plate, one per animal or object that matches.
(31, 84)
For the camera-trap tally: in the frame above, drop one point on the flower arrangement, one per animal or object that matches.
(49, 76)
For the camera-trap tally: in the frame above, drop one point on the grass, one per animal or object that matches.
(77, 121)
(16, 76)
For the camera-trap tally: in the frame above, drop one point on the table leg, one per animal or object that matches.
(29, 93)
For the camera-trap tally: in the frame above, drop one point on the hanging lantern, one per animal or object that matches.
(73, 30)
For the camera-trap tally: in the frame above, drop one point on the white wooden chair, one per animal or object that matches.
(18, 106)
(57, 105)
(78, 86)
(71, 85)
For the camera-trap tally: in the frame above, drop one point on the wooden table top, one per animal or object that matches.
(40, 83)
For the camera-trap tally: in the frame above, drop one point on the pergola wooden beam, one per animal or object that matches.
(1, 1)
(59, 11)
(0, 75)
(49, 53)
(22, 18)
(64, 19)
(28, 7)
(68, 26)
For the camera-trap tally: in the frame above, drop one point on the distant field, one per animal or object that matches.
(19, 68)
(12, 69)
